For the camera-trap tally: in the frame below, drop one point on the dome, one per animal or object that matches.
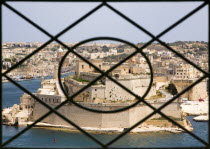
(60, 50)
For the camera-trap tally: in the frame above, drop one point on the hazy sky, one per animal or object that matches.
(155, 17)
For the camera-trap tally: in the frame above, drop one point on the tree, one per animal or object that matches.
(53, 49)
(120, 50)
(14, 59)
(7, 60)
(172, 89)
(105, 48)
(203, 49)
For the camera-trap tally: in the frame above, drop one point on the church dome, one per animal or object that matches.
(60, 50)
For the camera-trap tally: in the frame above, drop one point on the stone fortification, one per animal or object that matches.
(103, 91)
(161, 82)
(89, 76)
(137, 84)
(30, 110)
(85, 118)
(197, 92)
(108, 90)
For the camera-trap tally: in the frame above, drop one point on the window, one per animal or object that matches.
(154, 38)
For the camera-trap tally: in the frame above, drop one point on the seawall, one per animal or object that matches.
(84, 118)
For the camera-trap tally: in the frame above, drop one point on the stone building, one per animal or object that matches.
(30, 110)
(187, 71)
(105, 90)
(82, 66)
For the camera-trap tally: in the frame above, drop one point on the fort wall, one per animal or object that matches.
(84, 118)
(136, 85)
(111, 91)
(197, 92)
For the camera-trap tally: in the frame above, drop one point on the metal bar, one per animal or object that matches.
(111, 78)
(144, 101)
(1, 98)
(45, 115)
(102, 73)
(180, 21)
(57, 107)
(158, 111)
(155, 110)
(208, 80)
(171, 27)
(201, 147)
(167, 103)
(48, 34)
(120, 1)
(96, 68)
(43, 104)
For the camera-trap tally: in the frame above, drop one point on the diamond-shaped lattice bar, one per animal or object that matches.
(194, 57)
(158, 140)
(189, 46)
(64, 138)
(164, 32)
(101, 122)
(193, 29)
(51, 133)
(14, 52)
(84, 73)
(30, 110)
(150, 18)
(31, 75)
(100, 80)
(38, 68)
(155, 117)
(46, 87)
(168, 126)
(39, 12)
(170, 70)
(15, 27)
(104, 22)
(42, 30)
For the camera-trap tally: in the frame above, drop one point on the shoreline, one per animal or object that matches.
(93, 130)
(4, 81)
(197, 109)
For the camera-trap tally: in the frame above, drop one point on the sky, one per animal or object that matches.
(154, 17)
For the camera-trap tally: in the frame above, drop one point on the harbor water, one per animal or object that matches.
(48, 137)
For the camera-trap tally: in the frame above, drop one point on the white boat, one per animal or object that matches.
(17, 78)
(201, 118)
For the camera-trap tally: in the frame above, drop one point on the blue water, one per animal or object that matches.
(44, 137)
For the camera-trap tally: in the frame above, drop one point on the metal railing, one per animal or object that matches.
(103, 74)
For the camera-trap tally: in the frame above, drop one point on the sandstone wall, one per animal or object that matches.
(138, 86)
(49, 98)
(111, 91)
(197, 92)
(97, 91)
(85, 118)
(74, 86)
(26, 101)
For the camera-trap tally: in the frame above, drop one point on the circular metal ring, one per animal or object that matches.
(104, 38)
